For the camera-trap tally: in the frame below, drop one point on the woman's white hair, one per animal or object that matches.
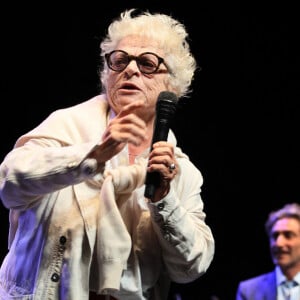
(170, 34)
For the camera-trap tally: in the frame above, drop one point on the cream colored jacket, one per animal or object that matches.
(72, 230)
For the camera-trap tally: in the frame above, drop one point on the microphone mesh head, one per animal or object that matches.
(166, 95)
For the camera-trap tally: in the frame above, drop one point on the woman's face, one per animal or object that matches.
(131, 84)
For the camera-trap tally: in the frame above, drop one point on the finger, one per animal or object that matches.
(163, 144)
(131, 107)
(129, 132)
(131, 120)
(163, 164)
(162, 153)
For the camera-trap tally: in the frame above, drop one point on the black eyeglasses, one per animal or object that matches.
(147, 62)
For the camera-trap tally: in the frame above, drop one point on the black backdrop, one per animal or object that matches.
(240, 127)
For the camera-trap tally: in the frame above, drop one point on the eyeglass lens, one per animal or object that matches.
(147, 62)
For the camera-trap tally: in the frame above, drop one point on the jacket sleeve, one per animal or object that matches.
(239, 292)
(52, 155)
(179, 222)
(42, 166)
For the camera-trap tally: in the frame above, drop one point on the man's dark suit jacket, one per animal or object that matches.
(262, 287)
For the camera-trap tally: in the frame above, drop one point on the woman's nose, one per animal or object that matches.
(132, 68)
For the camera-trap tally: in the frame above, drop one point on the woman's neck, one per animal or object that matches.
(134, 151)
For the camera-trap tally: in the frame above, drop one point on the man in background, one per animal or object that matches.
(283, 283)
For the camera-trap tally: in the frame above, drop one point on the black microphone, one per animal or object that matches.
(165, 110)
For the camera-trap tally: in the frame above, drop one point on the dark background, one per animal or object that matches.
(240, 127)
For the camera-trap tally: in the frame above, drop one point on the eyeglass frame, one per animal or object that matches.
(136, 58)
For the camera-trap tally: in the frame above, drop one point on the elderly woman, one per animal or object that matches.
(81, 224)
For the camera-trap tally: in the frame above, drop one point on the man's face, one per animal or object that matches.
(285, 243)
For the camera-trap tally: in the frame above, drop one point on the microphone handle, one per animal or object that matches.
(152, 181)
